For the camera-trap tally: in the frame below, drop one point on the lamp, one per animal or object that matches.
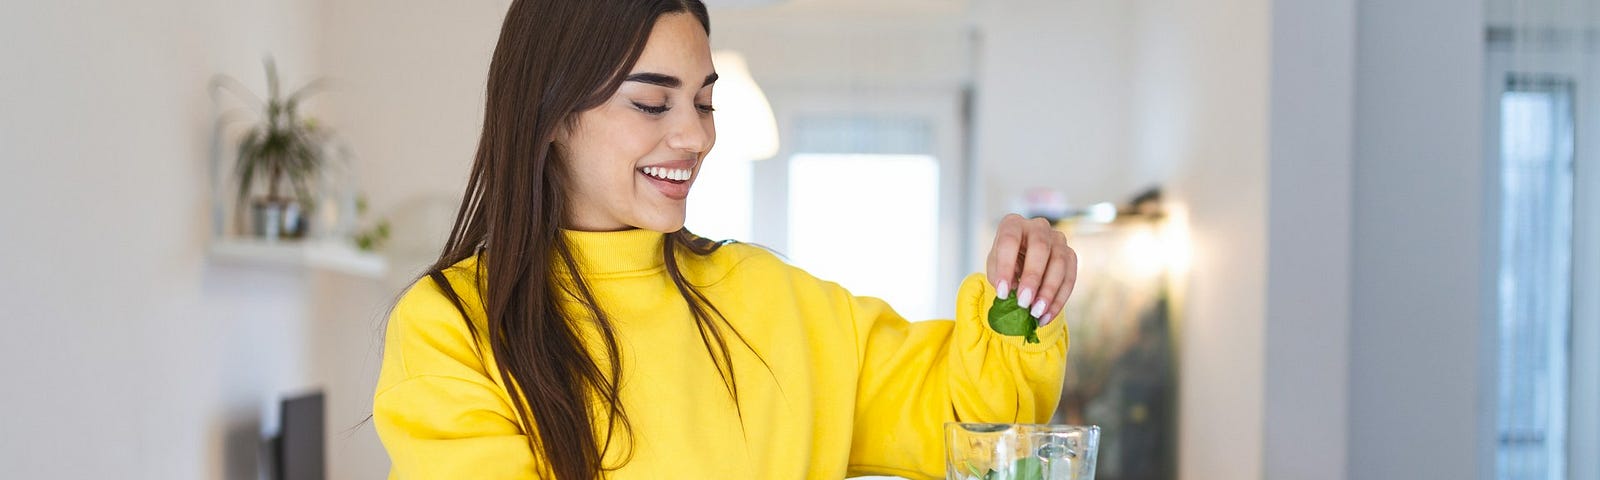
(746, 128)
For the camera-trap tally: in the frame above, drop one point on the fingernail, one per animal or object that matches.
(1024, 296)
(1005, 290)
(1038, 309)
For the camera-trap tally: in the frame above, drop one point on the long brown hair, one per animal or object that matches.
(555, 59)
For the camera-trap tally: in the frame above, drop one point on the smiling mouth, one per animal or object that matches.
(672, 175)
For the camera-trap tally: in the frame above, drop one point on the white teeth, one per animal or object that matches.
(675, 174)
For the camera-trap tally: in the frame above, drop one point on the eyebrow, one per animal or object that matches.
(664, 80)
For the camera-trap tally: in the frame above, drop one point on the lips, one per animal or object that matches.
(672, 179)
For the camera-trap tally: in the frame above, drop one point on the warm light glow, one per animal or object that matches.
(1175, 241)
(746, 128)
(1144, 254)
(1151, 249)
(1103, 212)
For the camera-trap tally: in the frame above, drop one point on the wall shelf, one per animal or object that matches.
(328, 255)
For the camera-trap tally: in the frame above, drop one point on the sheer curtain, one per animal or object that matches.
(1541, 67)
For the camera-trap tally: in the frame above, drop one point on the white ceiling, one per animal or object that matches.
(908, 7)
(740, 3)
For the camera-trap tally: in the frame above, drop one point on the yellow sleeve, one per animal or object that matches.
(437, 411)
(915, 376)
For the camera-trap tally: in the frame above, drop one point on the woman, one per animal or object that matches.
(573, 329)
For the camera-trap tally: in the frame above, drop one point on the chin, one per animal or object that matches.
(663, 225)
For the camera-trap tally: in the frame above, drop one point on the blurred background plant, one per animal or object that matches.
(374, 237)
(281, 149)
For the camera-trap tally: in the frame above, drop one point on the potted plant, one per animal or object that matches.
(282, 150)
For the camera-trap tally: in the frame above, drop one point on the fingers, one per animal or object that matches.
(1036, 240)
(1053, 277)
(1034, 258)
(1002, 263)
(1065, 272)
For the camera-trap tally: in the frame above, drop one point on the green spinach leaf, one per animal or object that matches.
(1008, 318)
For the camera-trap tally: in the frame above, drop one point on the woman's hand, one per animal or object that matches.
(1034, 258)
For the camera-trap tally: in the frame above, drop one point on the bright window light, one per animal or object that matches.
(719, 203)
(1535, 294)
(869, 222)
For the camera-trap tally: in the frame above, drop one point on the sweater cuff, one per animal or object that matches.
(977, 295)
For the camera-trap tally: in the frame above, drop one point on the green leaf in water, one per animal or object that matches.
(1008, 318)
(1028, 468)
(974, 470)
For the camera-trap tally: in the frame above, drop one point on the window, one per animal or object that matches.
(719, 204)
(862, 206)
(869, 222)
(1535, 277)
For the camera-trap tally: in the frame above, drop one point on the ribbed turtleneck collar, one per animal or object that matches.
(604, 253)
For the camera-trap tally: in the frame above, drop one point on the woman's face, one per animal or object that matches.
(633, 159)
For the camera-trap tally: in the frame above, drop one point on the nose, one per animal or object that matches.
(691, 132)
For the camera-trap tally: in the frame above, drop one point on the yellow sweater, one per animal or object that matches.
(853, 389)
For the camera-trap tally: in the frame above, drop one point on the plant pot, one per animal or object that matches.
(277, 219)
(266, 218)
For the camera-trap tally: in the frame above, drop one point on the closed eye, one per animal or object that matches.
(660, 109)
(651, 109)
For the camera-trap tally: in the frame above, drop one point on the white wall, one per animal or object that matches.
(1421, 275)
(1201, 111)
(125, 354)
(1054, 82)
(413, 77)
(1334, 181)
(1306, 384)
(1337, 181)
